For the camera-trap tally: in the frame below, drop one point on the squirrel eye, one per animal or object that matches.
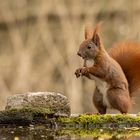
(89, 46)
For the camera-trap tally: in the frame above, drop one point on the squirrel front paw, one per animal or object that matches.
(85, 71)
(81, 71)
(78, 72)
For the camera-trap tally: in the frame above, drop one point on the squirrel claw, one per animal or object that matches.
(77, 75)
(78, 72)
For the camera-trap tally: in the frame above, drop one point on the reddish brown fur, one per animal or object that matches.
(127, 54)
(119, 68)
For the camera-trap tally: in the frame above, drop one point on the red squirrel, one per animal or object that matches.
(116, 72)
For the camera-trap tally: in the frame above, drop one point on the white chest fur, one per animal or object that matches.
(89, 63)
(101, 85)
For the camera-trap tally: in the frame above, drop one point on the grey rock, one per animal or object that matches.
(57, 103)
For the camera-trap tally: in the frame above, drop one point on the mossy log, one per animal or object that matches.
(37, 122)
(35, 116)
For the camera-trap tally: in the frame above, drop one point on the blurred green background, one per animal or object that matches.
(39, 40)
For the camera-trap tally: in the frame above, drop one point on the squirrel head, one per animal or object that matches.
(92, 45)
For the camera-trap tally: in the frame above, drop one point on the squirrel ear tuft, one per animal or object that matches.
(88, 32)
(96, 38)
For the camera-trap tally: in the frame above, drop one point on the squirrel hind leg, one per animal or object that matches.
(119, 101)
(98, 102)
(102, 111)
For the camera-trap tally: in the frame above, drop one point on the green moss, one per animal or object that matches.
(37, 110)
(24, 116)
(84, 121)
(105, 126)
(103, 133)
(30, 110)
(117, 120)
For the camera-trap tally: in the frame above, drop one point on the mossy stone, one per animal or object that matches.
(57, 103)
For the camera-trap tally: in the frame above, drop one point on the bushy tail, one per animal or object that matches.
(127, 54)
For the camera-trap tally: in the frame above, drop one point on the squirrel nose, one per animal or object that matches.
(78, 53)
